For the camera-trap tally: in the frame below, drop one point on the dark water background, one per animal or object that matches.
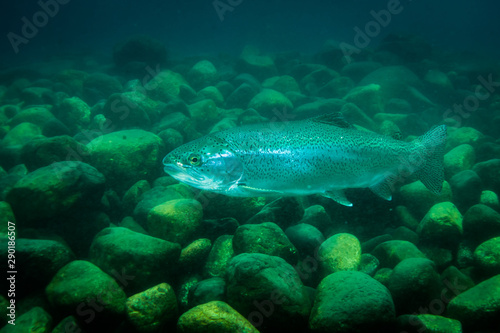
(193, 27)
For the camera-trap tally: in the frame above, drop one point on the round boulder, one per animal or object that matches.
(340, 252)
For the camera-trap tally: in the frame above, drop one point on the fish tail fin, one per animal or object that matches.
(431, 147)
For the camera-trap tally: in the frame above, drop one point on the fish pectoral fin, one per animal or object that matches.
(383, 189)
(260, 191)
(338, 196)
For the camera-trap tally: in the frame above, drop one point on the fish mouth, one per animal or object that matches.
(183, 174)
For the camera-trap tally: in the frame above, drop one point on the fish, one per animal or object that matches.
(323, 155)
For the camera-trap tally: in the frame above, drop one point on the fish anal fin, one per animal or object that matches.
(338, 196)
(383, 189)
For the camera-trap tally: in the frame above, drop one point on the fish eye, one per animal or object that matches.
(194, 159)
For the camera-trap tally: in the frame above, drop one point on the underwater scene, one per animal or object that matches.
(250, 166)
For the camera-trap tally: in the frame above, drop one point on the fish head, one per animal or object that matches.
(207, 163)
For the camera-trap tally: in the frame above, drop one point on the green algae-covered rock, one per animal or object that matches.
(6, 215)
(80, 282)
(267, 238)
(487, 256)
(68, 324)
(99, 86)
(21, 135)
(305, 237)
(351, 302)
(317, 216)
(194, 255)
(214, 317)
(131, 109)
(44, 151)
(391, 253)
(490, 199)
(367, 97)
(369, 264)
(489, 172)
(165, 85)
(414, 283)
(176, 220)
(152, 309)
(283, 84)
(74, 113)
(36, 320)
(59, 188)
(37, 96)
(241, 96)
(319, 107)
(260, 66)
(38, 115)
(125, 157)
(463, 135)
(211, 93)
(441, 225)
(455, 282)
(458, 159)
(152, 198)
(123, 251)
(312, 82)
(428, 323)
(202, 74)
(406, 217)
(270, 103)
(466, 187)
(478, 306)
(204, 113)
(419, 199)
(212, 289)
(219, 257)
(336, 88)
(340, 252)
(269, 291)
(383, 275)
(481, 223)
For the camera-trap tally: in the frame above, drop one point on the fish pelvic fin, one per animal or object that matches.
(431, 172)
(338, 196)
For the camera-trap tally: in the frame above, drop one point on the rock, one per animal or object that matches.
(134, 195)
(214, 228)
(123, 251)
(40, 260)
(68, 324)
(194, 255)
(442, 257)
(80, 282)
(35, 320)
(406, 217)
(270, 103)
(487, 256)
(152, 198)
(260, 66)
(340, 252)
(351, 302)
(202, 74)
(74, 113)
(481, 223)
(316, 216)
(38, 115)
(355, 115)
(336, 88)
(382, 275)
(131, 109)
(208, 290)
(315, 80)
(414, 283)
(372, 243)
(266, 238)
(359, 69)
(369, 264)
(398, 106)
(70, 81)
(171, 138)
(391, 253)
(44, 151)
(367, 97)
(204, 113)
(176, 220)
(489, 172)
(458, 159)
(466, 187)
(37, 96)
(477, 307)
(99, 86)
(219, 257)
(455, 283)
(242, 209)
(60, 188)
(139, 49)
(406, 234)
(21, 135)
(419, 199)
(441, 225)
(428, 323)
(490, 199)
(283, 211)
(269, 291)
(214, 316)
(463, 135)
(305, 237)
(6, 215)
(283, 84)
(241, 96)
(125, 157)
(211, 93)
(152, 309)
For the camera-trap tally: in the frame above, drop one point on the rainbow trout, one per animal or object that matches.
(322, 155)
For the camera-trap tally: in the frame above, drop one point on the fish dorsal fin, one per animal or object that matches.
(334, 119)
(338, 196)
